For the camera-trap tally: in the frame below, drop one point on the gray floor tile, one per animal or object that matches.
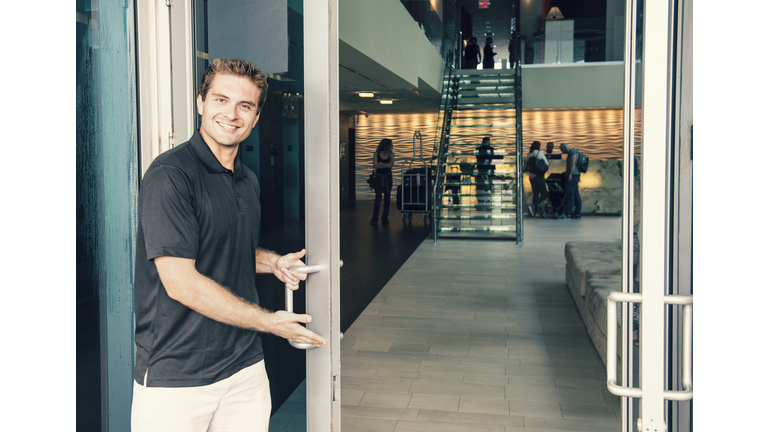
(350, 396)
(389, 373)
(448, 349)
(484, 405)
(370, 362)
(414, 426)
(587, 412)
(548, 394)
(460, 389)
(535, 423)
(484, 379)
(434, 402)
(535, 408)
(445, 377)
(385, 399)
(367, 424)
(394, 385)
(379, 413)
(464, 368)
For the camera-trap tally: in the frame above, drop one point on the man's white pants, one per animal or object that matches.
(239, 403)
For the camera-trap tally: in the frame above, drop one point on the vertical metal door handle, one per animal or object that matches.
(289, 300)
(687, 392)
(613, 387)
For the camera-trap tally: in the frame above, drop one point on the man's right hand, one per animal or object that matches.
(286, 325)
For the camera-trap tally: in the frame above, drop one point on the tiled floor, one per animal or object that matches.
(476, 336)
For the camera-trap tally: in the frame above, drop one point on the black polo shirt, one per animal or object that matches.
(190, 206)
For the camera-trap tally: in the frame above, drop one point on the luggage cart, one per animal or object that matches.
(415, 190)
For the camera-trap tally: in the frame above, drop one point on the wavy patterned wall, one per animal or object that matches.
(596, 132)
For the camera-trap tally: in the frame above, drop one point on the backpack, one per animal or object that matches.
(537, 166)
(582, 162)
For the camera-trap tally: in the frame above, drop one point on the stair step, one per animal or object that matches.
(512, 191)
(483, 107)
(478, 217)
(492, 228)
(482, 117)
(496, 152)
(454, 135)
(480, 207)
(495, 143)
(482, 125)
(484, 72)
(487, 99)
(490, 87)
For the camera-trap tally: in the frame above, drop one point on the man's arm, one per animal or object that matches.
(570, 163)
(186, 285)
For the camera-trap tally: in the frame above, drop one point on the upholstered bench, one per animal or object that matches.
(592, 271)
(586, 260)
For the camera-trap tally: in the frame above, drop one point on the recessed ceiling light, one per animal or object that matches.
(386, 101)
(365, 94)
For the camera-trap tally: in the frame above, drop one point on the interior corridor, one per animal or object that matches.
(475, 336)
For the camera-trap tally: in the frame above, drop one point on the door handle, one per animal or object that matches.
(613, 387)
(618, 390)
(289, 299)
(687, 302)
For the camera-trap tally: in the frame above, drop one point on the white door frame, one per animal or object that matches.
(321, 122)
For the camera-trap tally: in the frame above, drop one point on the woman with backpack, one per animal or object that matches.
(537, 165)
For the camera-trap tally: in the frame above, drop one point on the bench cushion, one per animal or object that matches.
(597, 299)
(591, 260)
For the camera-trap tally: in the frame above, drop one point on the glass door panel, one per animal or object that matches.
(296, 125)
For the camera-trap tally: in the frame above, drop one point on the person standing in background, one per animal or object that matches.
(471, 54)
(572, 179)
(383, 161)
(536, 176)
(488, 54)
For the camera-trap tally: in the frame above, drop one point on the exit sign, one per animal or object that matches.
(483, 4)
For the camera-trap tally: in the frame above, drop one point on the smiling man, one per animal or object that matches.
(199, 361)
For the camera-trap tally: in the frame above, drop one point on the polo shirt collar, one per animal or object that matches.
(208, 159)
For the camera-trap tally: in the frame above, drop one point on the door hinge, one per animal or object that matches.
(335, 387)
(168, 3)
(171, 137)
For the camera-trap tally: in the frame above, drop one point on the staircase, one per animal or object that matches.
(474, 199)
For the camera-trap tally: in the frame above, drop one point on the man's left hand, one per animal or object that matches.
(290, 278)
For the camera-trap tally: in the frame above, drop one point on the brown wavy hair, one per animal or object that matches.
(238, 68)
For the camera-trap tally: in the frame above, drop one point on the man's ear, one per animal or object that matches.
(256, 120)
(199, 104)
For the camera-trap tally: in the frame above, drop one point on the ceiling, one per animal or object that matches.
(358, 73)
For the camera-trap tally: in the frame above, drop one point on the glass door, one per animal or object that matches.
(656, 303)
(290, 151)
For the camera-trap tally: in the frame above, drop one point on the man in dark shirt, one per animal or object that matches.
(199, 360)
(485, 170)
(572, 179)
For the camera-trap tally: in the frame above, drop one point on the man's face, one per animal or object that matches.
(229, 110)
(564, 149)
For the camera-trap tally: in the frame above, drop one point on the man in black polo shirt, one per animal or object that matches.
(199, 362)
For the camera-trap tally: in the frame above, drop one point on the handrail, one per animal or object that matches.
(519, 139)
(447, 103)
